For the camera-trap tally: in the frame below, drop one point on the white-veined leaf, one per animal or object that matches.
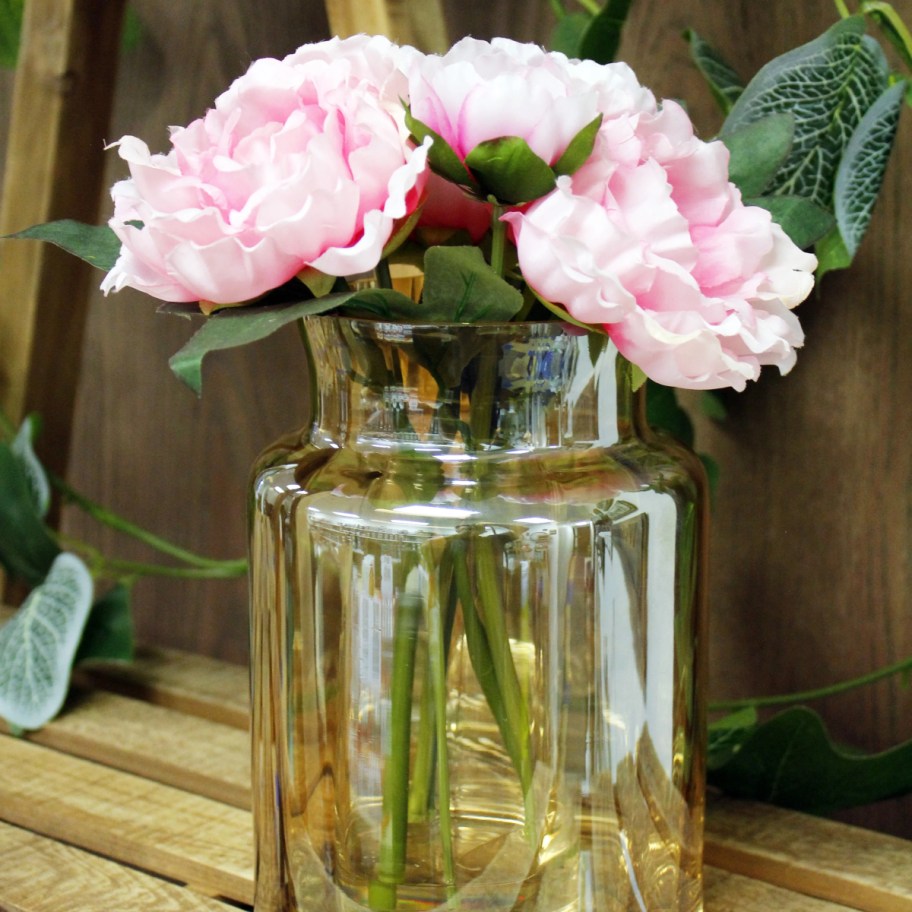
(828, 85)
(33, 470)
(862, 168)
(38, 644)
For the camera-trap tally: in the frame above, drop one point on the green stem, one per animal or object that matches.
(842, 9)
(437, 660)
(590, 6)
(394, 828)
(384, 279)
(498, 239)
(816, 694)
(106, 517)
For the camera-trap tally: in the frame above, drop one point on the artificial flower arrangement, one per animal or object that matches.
(523, 184)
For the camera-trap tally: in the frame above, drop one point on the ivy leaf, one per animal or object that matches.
(441, 156)
(96, 244)
(827, 84)
(579, 148)
(791, 761)
(602, 38)
(239, 326)
(568, 33)
(757, 150)
(861, 170)
(33, 470)
(801, 219)
(26, 547)
(507, 169)
(108, 632)
(724, 83)
(38, 644)
(460, 287)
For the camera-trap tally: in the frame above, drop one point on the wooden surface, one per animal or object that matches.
(59, 116)
(137, 798)
(812, 545)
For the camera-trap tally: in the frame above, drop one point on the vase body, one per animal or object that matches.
(477, 640)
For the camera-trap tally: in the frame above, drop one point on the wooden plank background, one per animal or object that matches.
(812, 552)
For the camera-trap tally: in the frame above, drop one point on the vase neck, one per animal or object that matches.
(473, 389)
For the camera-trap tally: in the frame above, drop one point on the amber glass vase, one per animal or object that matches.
(477, 632)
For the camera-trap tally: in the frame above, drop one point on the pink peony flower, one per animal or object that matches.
(301, 163)
(650, 241)
(483, 90)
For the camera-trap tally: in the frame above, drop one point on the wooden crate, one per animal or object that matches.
(137, 797)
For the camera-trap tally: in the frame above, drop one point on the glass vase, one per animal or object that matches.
(477, 632)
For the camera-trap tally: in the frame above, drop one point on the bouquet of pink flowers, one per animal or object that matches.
(524, 183)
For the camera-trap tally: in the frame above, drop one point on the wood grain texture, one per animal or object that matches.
(53, 169)
(193, 684)
(861, 869)
(727, 892)
(417, 22)
(811, 555)
(186, 751)
(154, 827)
(40, 875)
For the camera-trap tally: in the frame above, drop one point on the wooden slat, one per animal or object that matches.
(61, 106)
(832, 861)
(727, 892)
(154, 827)
(40, 875)
(417, 22)
(193, 754)
(193, 684)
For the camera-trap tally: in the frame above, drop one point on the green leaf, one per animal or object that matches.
(108, 633)
(801, 219)
(441, 156)
(664, 413)
(831, 254)
(792, 761)
(508, 169)
(239, 326)
(568, 34)
(27, 549)
(724, 83)
(33, 470)
(601, 40)
(96, 244)
(726, 735)
(712, 406)
(579, 149)
(757, 151)
(892, 26)
(861, 170)
(38, 644)
(383, 304)
(10, 30)
(460, 287)
(827, 84)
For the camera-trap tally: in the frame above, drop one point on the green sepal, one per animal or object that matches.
(579, 149)
(832, 254)
(96, 244)
(801, 219)
(319, 284)
(507, 169)
(757, 150)
(441, 156)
